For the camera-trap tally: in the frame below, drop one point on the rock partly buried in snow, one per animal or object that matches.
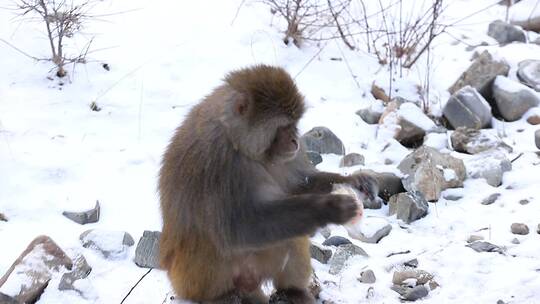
(474, 141)
(314, 157)
(492, 198)
(430, 172)
(80, 271)
(147, 251)
(367, 277)
(537, 138)
(112, 244)
(30, 274)
(505, 33)
(408, 206)
(467, 108)
(519, 228)
(482, 246)
(419, 276)
(408, 124)
(371, 114)
(410, 283)
(322, 140)
(538, 229)
(352, 159)
(513, 99)
(389, 184)
(490, 165)
(320, 253)
(3, 218)
(369, 229)
(534, 119)
(342, 254)
(415, 293)
(411, 263)
(85, 217)
(480, 75)
(336, 240)
(526, 14)
(529, 73)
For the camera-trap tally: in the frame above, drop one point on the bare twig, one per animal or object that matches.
(134, 286)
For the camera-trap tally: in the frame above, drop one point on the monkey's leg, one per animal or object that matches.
(292, 282)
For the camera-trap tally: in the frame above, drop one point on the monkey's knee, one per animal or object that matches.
(297, 271)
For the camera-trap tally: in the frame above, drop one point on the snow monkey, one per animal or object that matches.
(239, 198)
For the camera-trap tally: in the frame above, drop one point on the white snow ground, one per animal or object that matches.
(56, 154)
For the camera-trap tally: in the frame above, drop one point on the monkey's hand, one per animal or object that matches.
(336, 208)
(365, 183)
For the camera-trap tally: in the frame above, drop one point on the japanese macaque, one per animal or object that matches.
(239, 198)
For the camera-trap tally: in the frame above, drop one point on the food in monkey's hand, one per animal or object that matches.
(358, 196)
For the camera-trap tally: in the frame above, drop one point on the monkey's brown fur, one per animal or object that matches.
(237, 200)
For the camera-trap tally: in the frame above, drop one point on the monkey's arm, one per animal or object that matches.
(294, 216)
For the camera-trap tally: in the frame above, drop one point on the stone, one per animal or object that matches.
(481, 74)
(5, 299)
(537, 138)
(320, 253)
(147, 251)
(367, 277)
(538, 229)
(515, 241)
(389, 184)
(452, 197)
(415, 293)
(407, 124)
(314, 157)
(352, 159)
(420, 276)
(325, 232)
(430, 172)
(336, 241)
(519, 228)
(81, 270)
(85, 217)
(379, 93)
(489, 165)
(513, 99)
(323, 141)
(342, 254)
(534, 120)
(411, 263)
(369, 230)
(372, 114)
(3, 218)
(482, 246)
(524, 202)
(491, 199)
(467, 108)
(472, 141)
(111, 244)
(529, 73)
(408, 206)
(30, 274)
(473, 238)
(505, 33)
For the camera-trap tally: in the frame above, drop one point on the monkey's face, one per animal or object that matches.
(285, 144)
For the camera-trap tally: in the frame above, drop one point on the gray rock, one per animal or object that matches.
(319, 253)
(5, 299)
(370, 115)
(537, 138)
(473, 238)
(33, 269)
(420, 276)
(537, 40)
(322, 141)
(325, 232)
(3, 218)
(491, 199)
(85, 217)
(408, 207)
(111, 244)
(513, 99)
(314, 157)
(415, 293)
(147, 251)
(81, 270)
(411, 263)
(538, 229)
(519, 228)
(452, 197)
(515, 241)
(467, 108)
(529, 73)
(389, 184)
(430, 172)
(367, 277)
(376, 237)
(524, 202)
(474, 141)
(490, 165)
(336, 241)
(342, 254)
(480, 75)
(352, 159)
(481, 246)
(505, 33)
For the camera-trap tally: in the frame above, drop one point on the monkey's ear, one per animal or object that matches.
(241, 105)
